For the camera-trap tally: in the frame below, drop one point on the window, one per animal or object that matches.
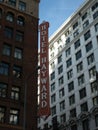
(84, 16)
(89, 46)
(3, 89)
(19, 36)
(68, 52)
(92, 72)
(69, 63)
(10, 17)
(84, 107)
(72, 99)
(78, 55)
(61, 93)
(87, 35)
(90, 59)
(73, 112)
(95, 15)
(8, 32)
(74, 127)
(77, 44)
(53, 98)
(95, 100)
(63, 118)
(4, 68)
(94, 6)
(67, 40)
(59, 48)
(96, 27)
(94, 87)
(61, 81)
(53, 110)
(14, 116)
(82, 93)
(86, 23)
(20, 20)
(17, 71)
(52, 87)
(12, 2)
(60, 69)
(70, 86)
(80, 80)
(18, 53)
(6, 50)
(52, 65)
(22, 6)
(76, 33)
(80, 67)
(85, 124)
(2, 114)
(96, 120)
(52, 75)
(75, 25)
(69, 74)
(15, 93)
(62, 105)
(60, 59)
(0, 13)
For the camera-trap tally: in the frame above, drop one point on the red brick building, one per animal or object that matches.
(18, 64)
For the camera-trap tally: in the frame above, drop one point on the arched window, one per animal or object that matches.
(10, 17)
(20, 20)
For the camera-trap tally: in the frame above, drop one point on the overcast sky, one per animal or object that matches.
(57, 11)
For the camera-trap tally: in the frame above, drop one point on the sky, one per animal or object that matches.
(56, 12)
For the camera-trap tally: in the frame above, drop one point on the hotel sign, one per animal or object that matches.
(44, 107)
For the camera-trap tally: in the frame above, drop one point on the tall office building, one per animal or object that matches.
(18, 64)
(73, 69)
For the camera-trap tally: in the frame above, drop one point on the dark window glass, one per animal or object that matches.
(4, 68)
(8, 32)
(89, 46)
(22, 6)
(17, 71)
(69, 62)
(72, 99)
(78, 55)
(20, 20)
(82, 93)
(85, 124)
(60, 59)
(19, 36)
(3, 90)
(75, 25)
(96, 27)
(84, 107)
(60, 69)
(18, 53)
(84, 16)
(94, 6)
(77, 44)
(53, 75)
(10, 17)
(87, 35)
(90, 59)
(12, 2)
(15, 93)
(70, 86)
(95, 15)
(14, 116)
(6, 50)
(73, 112)
(2, 114)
